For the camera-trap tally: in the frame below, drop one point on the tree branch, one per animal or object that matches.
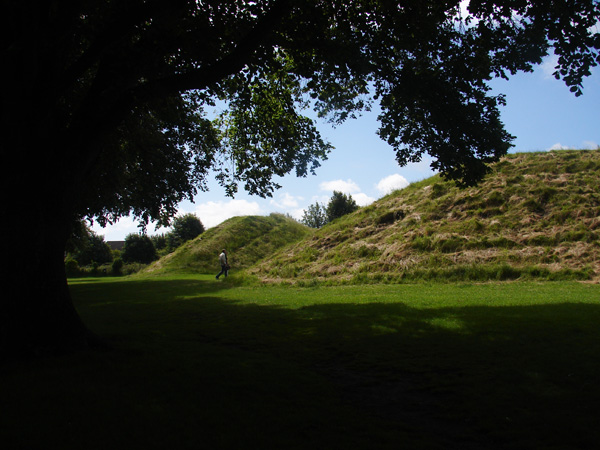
(230, 64)
(115, 30)
(100, 112)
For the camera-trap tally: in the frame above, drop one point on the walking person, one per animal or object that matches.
(224, 264)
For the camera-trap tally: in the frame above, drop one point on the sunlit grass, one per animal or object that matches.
(533, 211)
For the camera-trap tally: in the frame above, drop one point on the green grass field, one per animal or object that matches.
(197, 363)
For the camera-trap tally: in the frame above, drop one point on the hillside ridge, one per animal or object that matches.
(247, 240)
(537, 215)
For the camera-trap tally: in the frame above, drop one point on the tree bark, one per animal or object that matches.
(38, 317)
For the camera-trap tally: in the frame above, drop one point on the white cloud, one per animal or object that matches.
(213, 213)
(120, 229)
(548, 66)
(320, 199)
(419, 170)
(345, 187)
(362, 199)
(464, 5)
(559, 146)
(286, 201)
(392, 183)
(297, 213)
(585, 145)
(123, 227)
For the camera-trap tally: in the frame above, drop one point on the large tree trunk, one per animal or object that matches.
(38, 316)
(44, 156)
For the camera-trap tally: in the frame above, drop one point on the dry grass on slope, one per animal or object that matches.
(537, 215)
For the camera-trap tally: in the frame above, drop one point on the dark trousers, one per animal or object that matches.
(223, 271)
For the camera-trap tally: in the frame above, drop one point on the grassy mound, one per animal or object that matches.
(248, 239)
(536, 216)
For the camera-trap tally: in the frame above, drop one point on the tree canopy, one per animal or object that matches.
(339, 205)
(108, 105)
(185, 228)
(94, 249)
(123, 88)
(317, 215)
(139, 248)
(314, 216)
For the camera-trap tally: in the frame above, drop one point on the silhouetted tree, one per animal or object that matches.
(160, 241)
(138, 248)
(94, 249)
(339, 205)
(85, 246)
(185, 228)
(104, 107)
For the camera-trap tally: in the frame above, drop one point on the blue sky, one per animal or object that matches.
(540, 112)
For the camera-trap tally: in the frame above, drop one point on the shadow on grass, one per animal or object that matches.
(196, 365)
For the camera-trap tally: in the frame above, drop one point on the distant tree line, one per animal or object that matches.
(88, 252)
(318, 214)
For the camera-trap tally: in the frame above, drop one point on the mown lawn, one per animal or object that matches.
(197, 363)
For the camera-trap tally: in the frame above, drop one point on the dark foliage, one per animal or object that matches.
(339, 205)
(112, 97)
(139, 248)
(185, 228)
